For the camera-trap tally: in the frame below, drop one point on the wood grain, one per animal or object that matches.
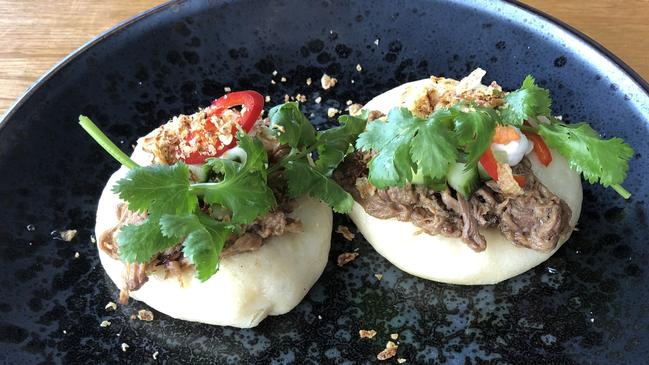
(34, 36)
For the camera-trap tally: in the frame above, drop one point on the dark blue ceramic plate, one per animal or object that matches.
(587, 304)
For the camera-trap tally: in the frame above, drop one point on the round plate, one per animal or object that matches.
(587, 304)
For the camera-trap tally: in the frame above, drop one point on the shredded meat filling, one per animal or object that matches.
(173, 262)
(535, 219)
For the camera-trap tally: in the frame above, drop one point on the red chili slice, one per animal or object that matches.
(490, 165)
(540, 148)
(253, 104)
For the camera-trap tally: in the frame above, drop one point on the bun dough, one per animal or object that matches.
(248, 286)
(449, 260)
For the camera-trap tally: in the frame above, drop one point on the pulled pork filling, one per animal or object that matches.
(173, 262)
(535, 219)
(165, 145)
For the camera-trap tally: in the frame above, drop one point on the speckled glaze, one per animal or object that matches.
(587, 304)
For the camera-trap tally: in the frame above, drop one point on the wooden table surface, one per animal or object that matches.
(36, 35)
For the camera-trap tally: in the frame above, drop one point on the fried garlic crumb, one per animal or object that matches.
(301, 98)
(318, 100)
(104, 324)
(275, 73)
(76, 255)
(401, 360)
(145, 315)
(68, 235)
(346, 257)
(283, 79)
(125, 346)
(328, 82)
(286, 98)
(359, 68)
(345, 232)
(389, 352)
(309, 82)
(367, 333)
(376, 41)
(155, 355)
(93, 239)
(227, 89)
(267, 99)
(349, 102)
(355, 109)
(394, 336)
(378, 276)
(331, 112)
(111, 306)
(272, 82)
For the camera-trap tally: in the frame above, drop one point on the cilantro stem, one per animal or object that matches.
(106, 143)
(622, 191)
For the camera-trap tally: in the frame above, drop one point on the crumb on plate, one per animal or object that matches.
(145, 315)
(345, 232)
(346, 257)
(68, 234)
(355, 109)
(389, 351)
(367, 333)
(328, 82)
(331, 112)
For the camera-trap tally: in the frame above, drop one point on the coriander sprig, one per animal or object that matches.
(105, 142)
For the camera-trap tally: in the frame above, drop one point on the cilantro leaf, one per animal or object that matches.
(204, 239)
(392, 165)
(527, 102)
(256, 156)
(434, 148)
(291, 126)
(139, 242)
(246, 194)
(304, 179)
(474, 129)
(599, 160)
(335, 143)
(243, 189)
(157, 189)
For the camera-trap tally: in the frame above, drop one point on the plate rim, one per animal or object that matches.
(44, 78)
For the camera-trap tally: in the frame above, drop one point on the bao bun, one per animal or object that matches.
(449, 260)
(249, 286)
